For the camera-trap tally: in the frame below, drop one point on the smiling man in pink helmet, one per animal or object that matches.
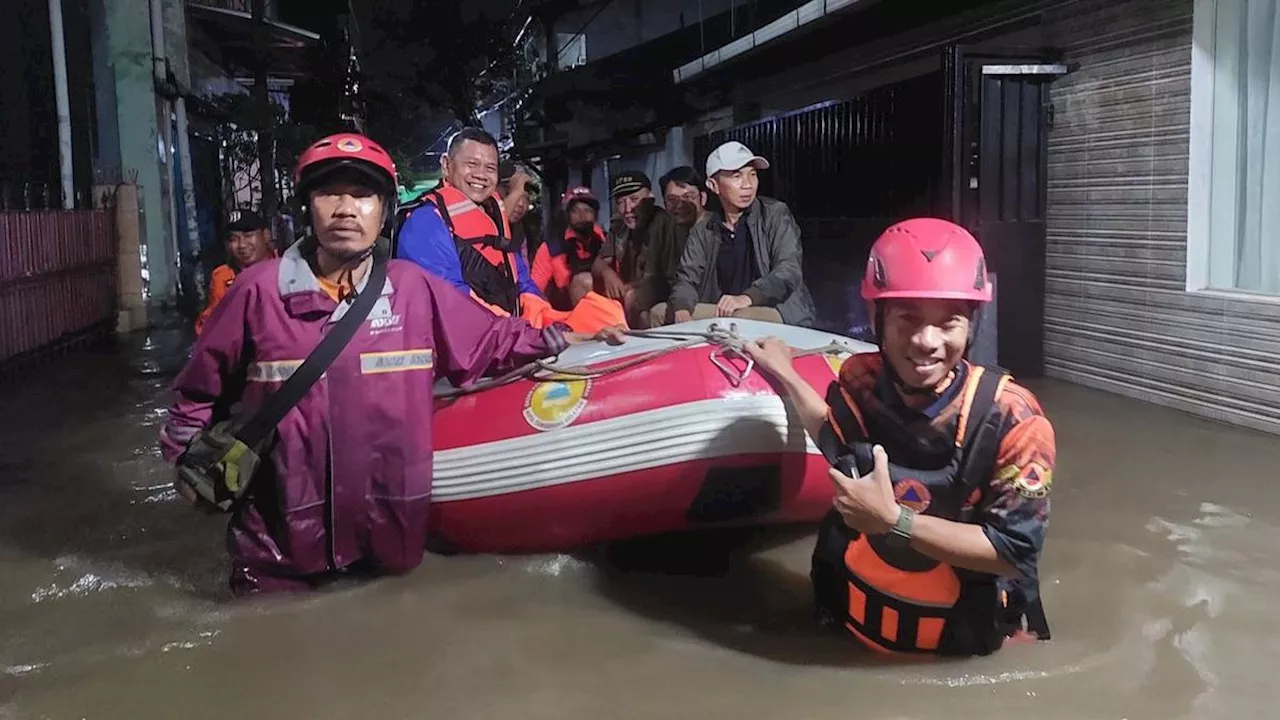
(942, 468)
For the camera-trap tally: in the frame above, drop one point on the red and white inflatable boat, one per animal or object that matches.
(686, 435)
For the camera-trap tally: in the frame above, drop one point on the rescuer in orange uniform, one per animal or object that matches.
(942, 468)
(248, 242)
(460, 232)
(562, 268)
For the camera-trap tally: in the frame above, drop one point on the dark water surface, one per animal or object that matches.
(1162, 581)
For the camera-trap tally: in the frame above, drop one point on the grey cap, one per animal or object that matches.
(733, 156)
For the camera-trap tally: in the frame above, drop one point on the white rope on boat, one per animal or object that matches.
(729, 344)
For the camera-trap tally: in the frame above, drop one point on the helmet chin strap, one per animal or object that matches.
(898, 384)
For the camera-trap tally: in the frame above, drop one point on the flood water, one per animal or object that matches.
(1161, 583)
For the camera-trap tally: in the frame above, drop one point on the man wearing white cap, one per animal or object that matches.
(745, 261)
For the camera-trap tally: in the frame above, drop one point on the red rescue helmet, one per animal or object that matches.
(345, 150)
(929, 259)
(579, 194)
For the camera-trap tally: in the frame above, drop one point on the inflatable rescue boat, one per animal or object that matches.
(673, 430)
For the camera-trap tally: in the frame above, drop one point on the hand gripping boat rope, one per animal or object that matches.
(728, 348)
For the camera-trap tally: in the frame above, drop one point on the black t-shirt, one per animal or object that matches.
(736, 266)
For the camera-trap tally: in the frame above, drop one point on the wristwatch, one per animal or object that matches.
(899, 536)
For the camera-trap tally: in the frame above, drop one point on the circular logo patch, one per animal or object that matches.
(1034, 481)
(912, 493)
(556, 403)
(350, 145)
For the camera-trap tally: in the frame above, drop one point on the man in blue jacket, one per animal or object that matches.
(461, 233)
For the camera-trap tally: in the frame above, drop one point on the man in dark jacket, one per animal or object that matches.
(745, 262)
(623, 271)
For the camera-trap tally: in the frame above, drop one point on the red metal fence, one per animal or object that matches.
(57, 278)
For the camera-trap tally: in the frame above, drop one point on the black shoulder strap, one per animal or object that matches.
(833, 447)
(402, 216)
(981, 439)
(271, 412)
(978, 416)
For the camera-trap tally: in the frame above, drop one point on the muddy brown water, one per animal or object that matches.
(1161, 576)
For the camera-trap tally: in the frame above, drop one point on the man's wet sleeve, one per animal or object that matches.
(472, 342)
(1014, 510)
(693, 264)
(214, 371)
(786, 258)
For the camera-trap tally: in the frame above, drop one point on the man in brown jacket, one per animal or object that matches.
(745, 261)
(624, 270)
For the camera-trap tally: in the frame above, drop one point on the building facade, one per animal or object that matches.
(1115, 157)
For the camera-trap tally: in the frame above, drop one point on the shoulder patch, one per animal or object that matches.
(1032, 481)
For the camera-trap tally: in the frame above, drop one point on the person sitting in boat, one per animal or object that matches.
(622, 269)
(347, 481)
(684, 194)
(515, 187)
(248, 243)
(460, 232)
(942, 469)
(562, 270)
(745, 261)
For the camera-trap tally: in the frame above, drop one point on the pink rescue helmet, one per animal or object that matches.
(927, 259)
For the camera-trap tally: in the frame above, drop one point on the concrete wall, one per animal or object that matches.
(626, 23)
(676, 150)
(128, 45)
(1118, 314)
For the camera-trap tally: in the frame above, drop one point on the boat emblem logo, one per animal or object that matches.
(556, 403)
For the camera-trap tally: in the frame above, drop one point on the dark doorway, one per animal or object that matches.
(848, 169)
(998, 118)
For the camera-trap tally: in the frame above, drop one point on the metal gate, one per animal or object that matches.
(848, 170)
(57, 280)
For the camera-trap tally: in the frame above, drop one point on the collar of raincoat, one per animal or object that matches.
(301, 292)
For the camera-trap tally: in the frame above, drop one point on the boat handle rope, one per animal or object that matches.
(729, 344)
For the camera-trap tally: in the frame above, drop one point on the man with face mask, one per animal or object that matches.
(345, 486)
(248, 243)
(562, 269)
(462, 233)
(942, 468)
(745, 261)
(623, 270)
(685, 194)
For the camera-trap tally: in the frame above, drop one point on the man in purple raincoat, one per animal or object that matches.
(346, 486)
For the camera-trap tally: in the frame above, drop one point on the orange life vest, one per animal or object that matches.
(896, 599)
(488, 256)
(485, 247)
(219, 282)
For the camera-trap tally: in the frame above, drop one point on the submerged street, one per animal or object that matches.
(1159, 581)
